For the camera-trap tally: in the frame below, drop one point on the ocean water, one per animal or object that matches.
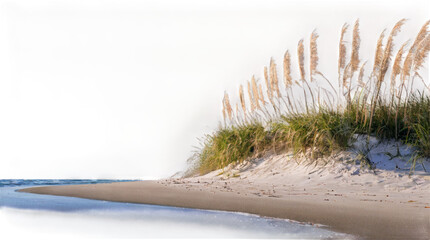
(26, 215)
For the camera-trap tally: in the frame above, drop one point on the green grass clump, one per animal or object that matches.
(310, 114)
(419, 118)
(231, 144)
(324, 131)
(408, 122)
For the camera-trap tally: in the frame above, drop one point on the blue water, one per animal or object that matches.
(11, 198)
(141, 220)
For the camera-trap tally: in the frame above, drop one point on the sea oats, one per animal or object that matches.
(421, 35)
(361, 75)
(407, 64)
(389, 49)
(251, 98)
(313, 55)
(255, 93)
(228, 108)
(342, 53)
(288, 80)
(223, 110)
(242, 99)
(288, 123)
(355, 61)
(274, 78)
(301, 58)
(397, 68)
(269, 88)
(342, 48)
(384, 67)
(421, 53)
(379, 53)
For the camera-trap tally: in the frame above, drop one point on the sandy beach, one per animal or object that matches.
(370, 219)
(384, 203)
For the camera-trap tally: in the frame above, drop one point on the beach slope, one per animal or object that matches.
(367, 219)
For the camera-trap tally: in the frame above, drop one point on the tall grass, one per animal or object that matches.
(233, 144)
(311, 114)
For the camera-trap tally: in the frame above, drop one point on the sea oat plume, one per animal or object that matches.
(255, 93)
(342, 48)
(274, 78)
(266, 78)
(421, 53)
(355, 61)
(379, 54)
(397, 68)
(389, 49)
(361, 75)
(251, 98)
(288, 80)
(314, 54)
(407, 64)
(301, 56)
(242, 99)
(389, 46)
(228, 108)
(421, 35)
(223, 110)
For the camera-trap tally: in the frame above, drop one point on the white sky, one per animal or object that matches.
(122, 89)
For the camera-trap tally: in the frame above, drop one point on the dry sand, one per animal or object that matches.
(384, 203)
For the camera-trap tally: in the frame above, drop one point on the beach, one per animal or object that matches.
(368, 219)
(370, 204)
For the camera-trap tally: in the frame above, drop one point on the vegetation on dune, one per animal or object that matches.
(323, 131)
(232, 144)
(309, 113)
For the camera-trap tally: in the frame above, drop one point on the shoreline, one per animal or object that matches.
(365, 219)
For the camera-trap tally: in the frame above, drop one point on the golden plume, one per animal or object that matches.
(242, 99)
(255, 93)
(274, 78)
(389, 49)
(360, 75)
(228, 108)
(251, 98)
(379, 54)
(313, 54)
(407, 64)
(288, 80)
(342, 49)
(301, 56)
(355, 61)
(266, 78)
(397, 68)
(421, 53)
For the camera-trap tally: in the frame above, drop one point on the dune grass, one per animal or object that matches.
(232, 144)
(309, 113)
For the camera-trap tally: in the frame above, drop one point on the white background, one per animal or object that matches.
(122, 89)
